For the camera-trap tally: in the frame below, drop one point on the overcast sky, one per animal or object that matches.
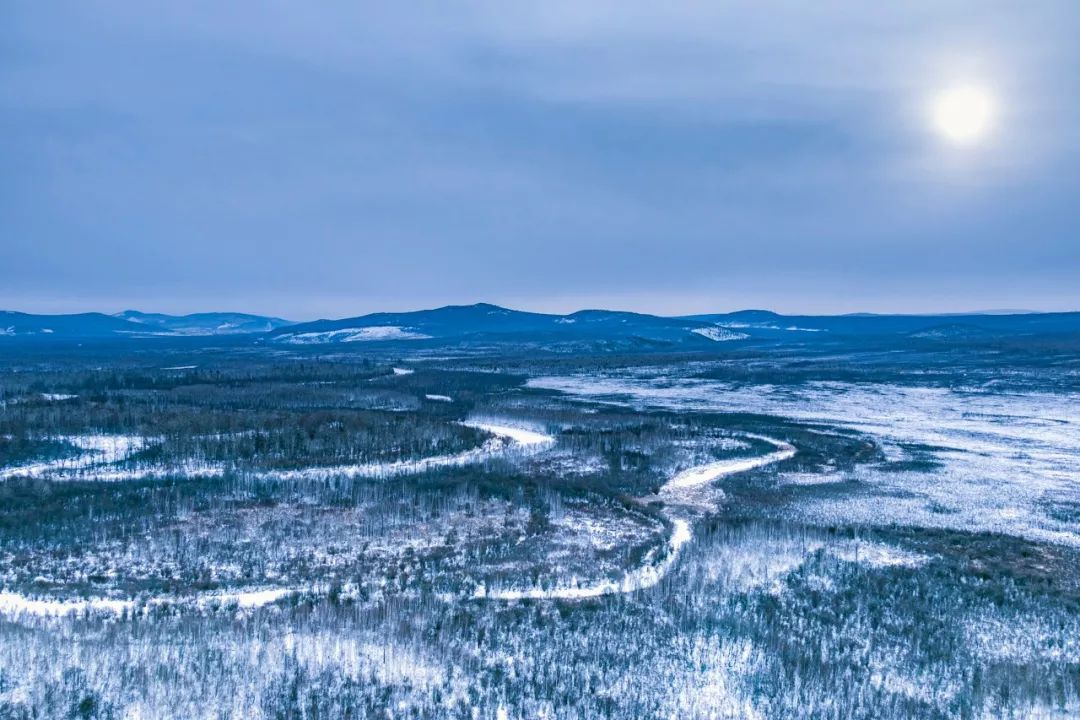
(334, 158)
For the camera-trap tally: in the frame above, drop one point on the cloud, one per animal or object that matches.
(349, 150)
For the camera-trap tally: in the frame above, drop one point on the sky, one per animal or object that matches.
(336, 158)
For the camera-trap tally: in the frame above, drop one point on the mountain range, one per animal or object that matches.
(488, 323)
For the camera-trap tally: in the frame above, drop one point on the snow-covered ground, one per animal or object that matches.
(1022, 638)
(569, 463)
(705, 474)
(679, 497)
(711, 683)
(100, 461)
(101, 453)
(526, 438)
(97, 450)
(323, 545)
(761, 562)
(719, 334)
(108, 473)
(57, 397)
(17, 605)
(646, 575)
(755, 563)
(363, 334)
(875, 555)
(1005, 457)
(508, 440)
(580, 530)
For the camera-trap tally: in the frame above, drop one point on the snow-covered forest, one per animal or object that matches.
(306, 534)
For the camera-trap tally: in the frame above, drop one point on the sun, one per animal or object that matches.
(963, 114)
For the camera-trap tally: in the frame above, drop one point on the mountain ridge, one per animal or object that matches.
(205, 323)
(494, 323)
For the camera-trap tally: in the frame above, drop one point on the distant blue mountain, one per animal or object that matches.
(213, 323)
(493, 323)
(585, 329)
(17, 324)
(131, 323)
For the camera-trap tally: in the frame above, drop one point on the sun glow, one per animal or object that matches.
(963, 115)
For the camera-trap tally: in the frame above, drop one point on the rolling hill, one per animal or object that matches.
(491, 324)
(485, 322)
(130, 324)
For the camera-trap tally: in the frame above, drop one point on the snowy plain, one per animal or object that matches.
(1007, 456)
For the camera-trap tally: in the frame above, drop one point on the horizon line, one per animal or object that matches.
(294, 318)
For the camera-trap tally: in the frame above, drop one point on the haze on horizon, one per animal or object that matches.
(329, 162)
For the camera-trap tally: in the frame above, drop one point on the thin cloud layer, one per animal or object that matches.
(326, 161)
